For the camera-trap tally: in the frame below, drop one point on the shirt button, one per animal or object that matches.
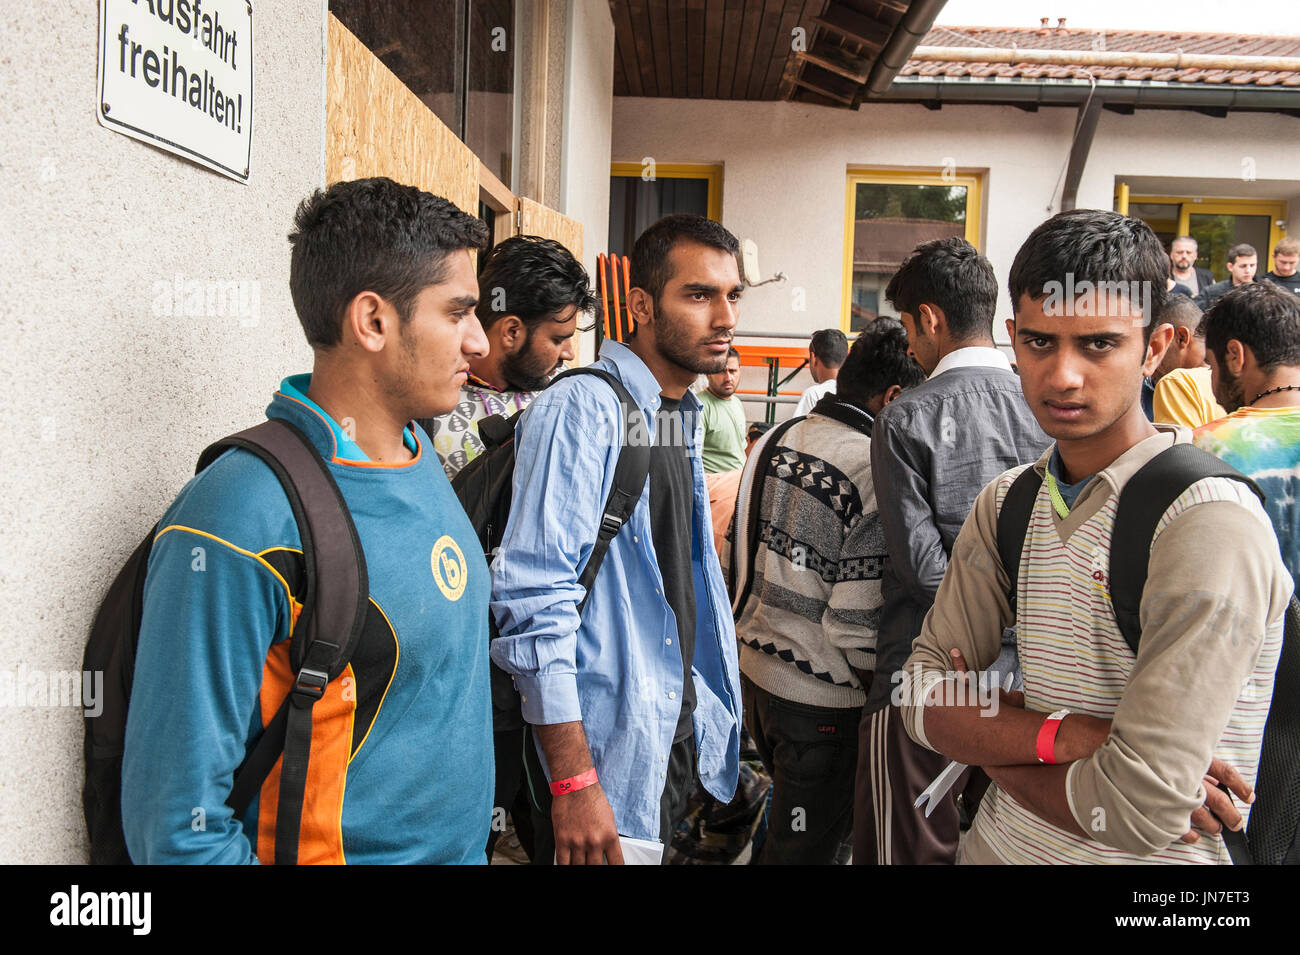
(672, 695)
(523, 699)
(669, 641)
(658, 594)
(636, 540)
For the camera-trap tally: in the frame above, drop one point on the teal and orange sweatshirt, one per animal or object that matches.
(401, 767)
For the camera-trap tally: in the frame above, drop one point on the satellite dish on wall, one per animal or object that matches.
(749, 262)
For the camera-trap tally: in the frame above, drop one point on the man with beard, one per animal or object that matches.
(531, 292)
(1253, 346)
(633, 699)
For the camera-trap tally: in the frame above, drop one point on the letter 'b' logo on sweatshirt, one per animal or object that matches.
(449, 570)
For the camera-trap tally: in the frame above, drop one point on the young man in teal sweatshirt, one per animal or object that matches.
(401, 751)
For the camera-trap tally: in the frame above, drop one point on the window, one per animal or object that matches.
(457, 56)
(887, 215)
(1216, 225)
(641, 194)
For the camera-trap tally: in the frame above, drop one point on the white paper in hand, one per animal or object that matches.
(641, 851)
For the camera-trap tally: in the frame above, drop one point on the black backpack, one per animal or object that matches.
(485, 488)
(740, 572)
(1271, 836)
(334, 605)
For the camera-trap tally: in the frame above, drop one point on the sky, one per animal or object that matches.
(1201, 16)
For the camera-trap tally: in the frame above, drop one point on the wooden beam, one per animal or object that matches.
(501, 198)
(801, 81)
(854, 26)
(851, 68)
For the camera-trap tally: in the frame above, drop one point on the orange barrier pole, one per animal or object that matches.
(601, 263)
(613, 260)
(627, 292)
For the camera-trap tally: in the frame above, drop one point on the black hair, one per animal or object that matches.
(1240, 250)
(370, 235)
(951, 274)
(1181, 310)
(1092, 246)
(1260, 315)
(830, 345)
(650, 270)
(877, 361)
(533, 279)
(732, 353)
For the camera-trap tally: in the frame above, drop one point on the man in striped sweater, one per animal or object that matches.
(1105, 759)
(808, 627)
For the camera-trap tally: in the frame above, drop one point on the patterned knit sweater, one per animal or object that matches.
(1200, 685)
(814, 609)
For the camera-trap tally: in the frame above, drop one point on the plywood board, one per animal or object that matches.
(375, 126)
(537, 219)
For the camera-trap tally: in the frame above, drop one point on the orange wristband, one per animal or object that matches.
(1046, 743)
(574, 783)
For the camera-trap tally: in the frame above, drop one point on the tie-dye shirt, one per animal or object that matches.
(1264, 444)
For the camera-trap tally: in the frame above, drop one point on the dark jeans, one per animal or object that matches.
(521, 790)
(679, 785)
(811, 753)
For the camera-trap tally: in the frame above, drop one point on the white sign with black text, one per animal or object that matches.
(179, 74)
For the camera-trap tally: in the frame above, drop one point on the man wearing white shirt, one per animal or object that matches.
(932, 451)
(826, 353)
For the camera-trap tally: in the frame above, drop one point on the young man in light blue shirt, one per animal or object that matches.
(639, 695)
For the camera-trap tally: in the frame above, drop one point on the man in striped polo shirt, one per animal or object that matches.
(1105, 759)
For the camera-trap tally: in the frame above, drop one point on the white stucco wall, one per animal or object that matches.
(785, 166)
(588, 108)
(107, 400)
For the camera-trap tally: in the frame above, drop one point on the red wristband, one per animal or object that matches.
(574, 783)
(1046, 744)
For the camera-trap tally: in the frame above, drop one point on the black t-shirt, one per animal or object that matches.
(670, 526)
(1291, 282)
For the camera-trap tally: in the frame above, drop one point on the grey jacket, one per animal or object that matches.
(932, 451)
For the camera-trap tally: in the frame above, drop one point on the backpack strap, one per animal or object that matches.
(742, 575)
(1143, 501)
(1013, 525)
(630, 475)
(334, 606)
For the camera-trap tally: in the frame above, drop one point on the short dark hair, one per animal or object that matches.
(732, 353)
(951, 274)
(1181, 310)
(877, 361)
(1239, 250)
(1260, 315)
(533, 279)
(1092, 245)
(830, 345)
(371, 235)
(1287, 246)
(649, 269)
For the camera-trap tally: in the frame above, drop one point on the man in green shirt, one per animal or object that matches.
(723, 450)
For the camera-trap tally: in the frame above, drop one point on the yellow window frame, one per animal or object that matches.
(1275, 209)
(679, 170)
(972, 180)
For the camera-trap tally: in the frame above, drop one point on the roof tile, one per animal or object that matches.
(1132, 41)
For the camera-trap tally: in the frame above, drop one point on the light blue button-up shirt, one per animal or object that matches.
(618, 668)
